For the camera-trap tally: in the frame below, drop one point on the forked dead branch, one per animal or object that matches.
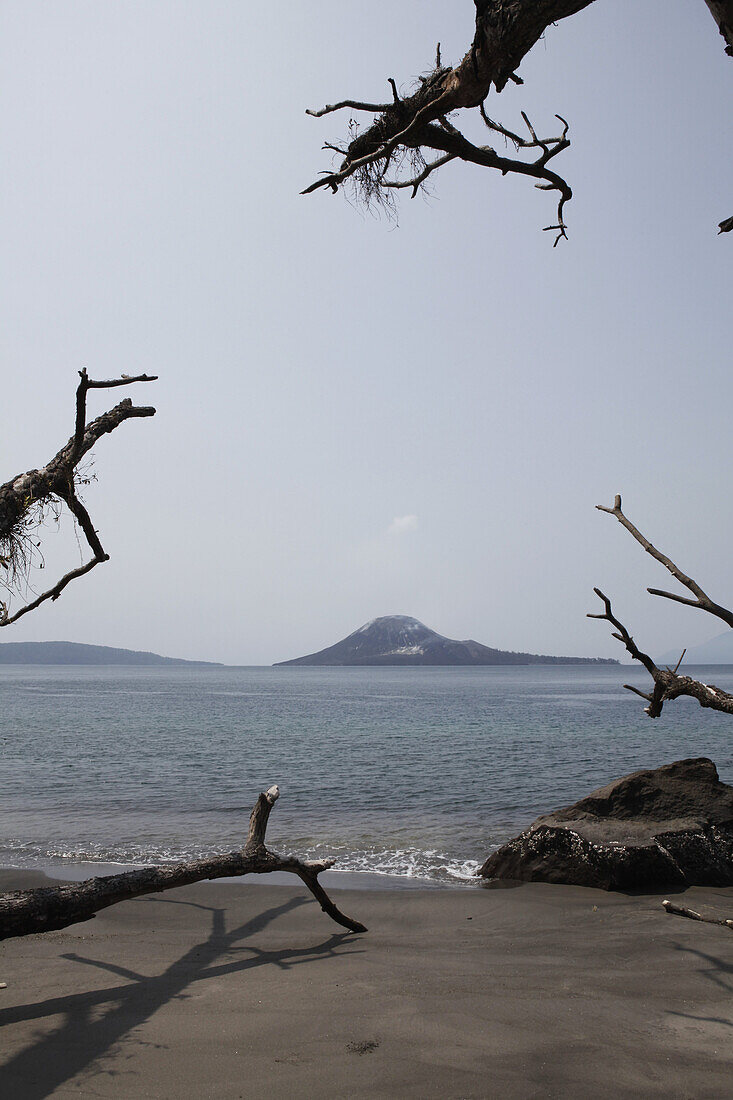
(26, 498)
(668, 683)
(26, 912)
(390, 153)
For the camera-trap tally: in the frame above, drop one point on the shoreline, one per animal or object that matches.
(218, 991)
(331, 880)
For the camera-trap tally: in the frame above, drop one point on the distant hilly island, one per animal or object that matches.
(389, 640)
(716, 651)
(75, 653)
(401, 640)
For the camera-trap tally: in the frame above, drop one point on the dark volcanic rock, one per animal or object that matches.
(671, 826)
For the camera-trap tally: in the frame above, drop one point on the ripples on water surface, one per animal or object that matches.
(404, 772)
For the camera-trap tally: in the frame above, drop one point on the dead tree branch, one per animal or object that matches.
(26, 912)
(352, 104)
(505, 31)
(683, 911)
(417, 182)
(454, 143)
(702, 600)
(668, 684)
(722, 13)
(24, 498)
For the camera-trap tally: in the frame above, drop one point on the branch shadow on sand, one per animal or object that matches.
(714, 969)
(84, 1035)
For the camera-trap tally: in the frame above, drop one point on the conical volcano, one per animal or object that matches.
(402, 640)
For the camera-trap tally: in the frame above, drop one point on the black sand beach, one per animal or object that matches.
(248, 990)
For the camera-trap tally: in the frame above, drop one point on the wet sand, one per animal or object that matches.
(239, 990)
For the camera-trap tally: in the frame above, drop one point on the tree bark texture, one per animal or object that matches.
(722, 13)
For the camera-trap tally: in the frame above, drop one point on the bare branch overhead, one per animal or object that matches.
(505, 31)
(24, 498)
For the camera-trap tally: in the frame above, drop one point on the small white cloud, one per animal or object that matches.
(400, 525)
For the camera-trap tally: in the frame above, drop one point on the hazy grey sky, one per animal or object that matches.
(357, 419)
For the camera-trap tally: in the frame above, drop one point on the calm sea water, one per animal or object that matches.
(409, 773)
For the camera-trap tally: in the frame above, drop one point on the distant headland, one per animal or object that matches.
(401, 640)
(75, 653)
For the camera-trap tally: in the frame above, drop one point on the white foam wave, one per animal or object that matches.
(428, 865)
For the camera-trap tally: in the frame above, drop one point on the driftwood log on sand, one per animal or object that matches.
(25, 912)
(683, 911)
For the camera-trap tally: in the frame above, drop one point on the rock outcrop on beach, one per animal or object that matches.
(402, 640)
(651, 830)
